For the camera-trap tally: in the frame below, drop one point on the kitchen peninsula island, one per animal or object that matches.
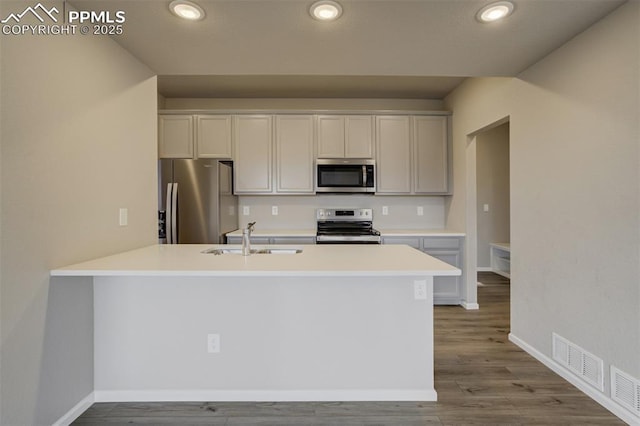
(332, 323)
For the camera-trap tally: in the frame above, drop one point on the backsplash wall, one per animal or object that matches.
(299, 212)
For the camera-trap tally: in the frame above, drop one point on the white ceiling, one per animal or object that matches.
(378, 48)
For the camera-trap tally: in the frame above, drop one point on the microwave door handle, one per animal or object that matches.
(364, 176)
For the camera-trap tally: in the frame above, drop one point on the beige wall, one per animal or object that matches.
(492, 183)
(575, 180)
(78, 142)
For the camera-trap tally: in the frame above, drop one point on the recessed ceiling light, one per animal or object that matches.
(495, 11)
(325, 10)
(186, 10)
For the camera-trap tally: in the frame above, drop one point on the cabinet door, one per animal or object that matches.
(252, 154)
(431, 166)
(175, 136)
(330, 136)
(213, 137)
(393, 152)
(358, 136)
(294, 151)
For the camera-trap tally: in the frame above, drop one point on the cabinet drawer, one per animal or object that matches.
(293, 240)
(441, 242)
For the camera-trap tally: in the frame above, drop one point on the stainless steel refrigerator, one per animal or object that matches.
(196, 201)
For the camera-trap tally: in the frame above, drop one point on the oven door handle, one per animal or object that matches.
(341, 238)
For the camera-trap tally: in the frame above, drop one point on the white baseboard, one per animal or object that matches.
(264, 395)
(470, 306)
(76, 411)
(591, 392)
(484, 269)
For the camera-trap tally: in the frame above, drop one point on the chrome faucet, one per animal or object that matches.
(246, 239)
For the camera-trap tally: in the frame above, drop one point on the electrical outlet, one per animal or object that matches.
(385, 210)
(213, 343)
(124, 217)
(274, 210)
(246, 211)
(420, 211)
(485, 207)
(420, 290)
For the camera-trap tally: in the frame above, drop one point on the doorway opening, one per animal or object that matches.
(492, 201)
(488, 205)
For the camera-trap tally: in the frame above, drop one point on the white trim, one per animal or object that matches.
(470, 306)
(602, 399)
(71, 415)
(265, 395)
(484, 269)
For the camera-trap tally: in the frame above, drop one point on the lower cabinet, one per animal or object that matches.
(446, 290)
(273, 240)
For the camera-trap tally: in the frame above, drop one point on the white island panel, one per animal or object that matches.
(281, 339)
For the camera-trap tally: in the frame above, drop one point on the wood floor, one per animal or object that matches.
(481, 379)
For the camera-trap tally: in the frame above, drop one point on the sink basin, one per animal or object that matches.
(282, 250)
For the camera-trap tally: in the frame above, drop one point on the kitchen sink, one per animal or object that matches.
(283, 250)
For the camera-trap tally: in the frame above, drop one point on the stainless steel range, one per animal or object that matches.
(346, 226)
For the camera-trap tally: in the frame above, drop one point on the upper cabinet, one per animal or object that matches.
(275, 153)
(345, 136)
(253, 154)
(294, 154)
(175, 136)
(431, 154)
(213, 136)
(412, 154)
(194, 136)
(393, 149)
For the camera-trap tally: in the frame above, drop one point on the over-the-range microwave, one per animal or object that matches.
(346, 175)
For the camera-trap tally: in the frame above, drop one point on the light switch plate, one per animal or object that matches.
(124, 217)
(385, 210)
(485, 207)
(274, 210)
(420, 211)
(246, 211)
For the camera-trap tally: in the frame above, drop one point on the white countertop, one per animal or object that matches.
(383, 232)
(315, 260)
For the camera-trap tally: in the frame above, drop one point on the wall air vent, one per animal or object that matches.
(580, 362)
(625, 390)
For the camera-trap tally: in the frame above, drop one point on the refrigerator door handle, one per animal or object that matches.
(174, 214)
(169, 217)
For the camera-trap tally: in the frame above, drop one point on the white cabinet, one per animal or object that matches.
(446, 290)
(213, 136)
(393, 151)
(294, 153)
(431, 154)
(345, 136)
(412, 154)
(253, 154)
(175, 136)
(194, 136)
